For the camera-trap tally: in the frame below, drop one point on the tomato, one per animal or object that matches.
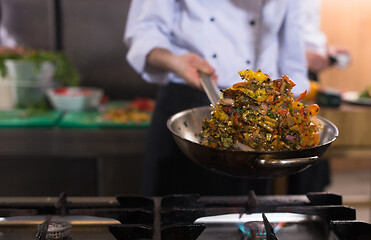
(304, 140)
(235, 119)
(60, 90)
(282, 111)
(143, 104)
(104, 100)
(313, 109)
(316, 139)
(83, 92)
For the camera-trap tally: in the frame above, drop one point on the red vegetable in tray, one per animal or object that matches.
(137, 111)
(72, 92)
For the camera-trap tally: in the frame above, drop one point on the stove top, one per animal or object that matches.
(186, 217)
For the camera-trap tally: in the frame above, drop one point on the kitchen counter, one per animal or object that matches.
(72, 142)
(91, 162)
(353, 122)
(108, 161)
(354, 141)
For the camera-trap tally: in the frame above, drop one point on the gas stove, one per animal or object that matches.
(184, 217)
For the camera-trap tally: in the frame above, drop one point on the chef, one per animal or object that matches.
(169, 41)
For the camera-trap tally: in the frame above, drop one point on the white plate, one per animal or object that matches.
(353, 97)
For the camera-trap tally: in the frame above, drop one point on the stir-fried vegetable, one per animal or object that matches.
(261, 114)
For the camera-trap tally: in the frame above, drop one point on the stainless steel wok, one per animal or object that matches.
(186, 126)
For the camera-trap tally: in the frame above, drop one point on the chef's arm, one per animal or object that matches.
(185, 66)
(292, 52)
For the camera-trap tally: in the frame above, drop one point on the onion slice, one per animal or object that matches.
(243, 147)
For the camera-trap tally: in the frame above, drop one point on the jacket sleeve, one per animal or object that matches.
(292, 52)
(148, 26)
(314, 38)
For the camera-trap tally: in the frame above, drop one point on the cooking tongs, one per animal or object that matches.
(210, 88)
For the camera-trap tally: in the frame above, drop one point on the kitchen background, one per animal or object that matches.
(43, 162)
(80, 162)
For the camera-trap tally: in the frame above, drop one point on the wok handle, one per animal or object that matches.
(288, 162)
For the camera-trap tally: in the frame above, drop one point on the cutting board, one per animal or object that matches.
(28, 118)
(94, 120)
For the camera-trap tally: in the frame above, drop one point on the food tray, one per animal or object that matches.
(28, 118)
(352, 97)
(93, 119)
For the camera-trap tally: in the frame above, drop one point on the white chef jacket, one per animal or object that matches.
(314, 38)
(231, 35)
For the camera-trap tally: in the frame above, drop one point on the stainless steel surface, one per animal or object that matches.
(73, 220)
(80, 232)
(186, 126)
(210, 88)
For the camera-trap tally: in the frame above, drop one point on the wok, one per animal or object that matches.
(185, 127)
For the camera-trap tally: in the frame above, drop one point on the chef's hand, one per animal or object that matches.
(317, 62)
(185, 66)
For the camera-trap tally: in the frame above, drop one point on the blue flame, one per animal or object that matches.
(243, 229)
(247, 231)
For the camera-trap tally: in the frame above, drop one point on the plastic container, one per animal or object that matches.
(6, 94)
(30, 93)
(75, 98)
(21, 70)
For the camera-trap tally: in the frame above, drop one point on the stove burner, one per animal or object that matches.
(53, 230)
(256, 229)
(314, 216)
(58, 230)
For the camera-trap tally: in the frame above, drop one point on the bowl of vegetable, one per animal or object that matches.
(75, 98)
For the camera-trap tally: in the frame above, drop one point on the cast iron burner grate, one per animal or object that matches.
(175, 215)
(191, 217)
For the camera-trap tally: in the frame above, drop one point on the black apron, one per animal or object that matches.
(317, 177)
(167, 170)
